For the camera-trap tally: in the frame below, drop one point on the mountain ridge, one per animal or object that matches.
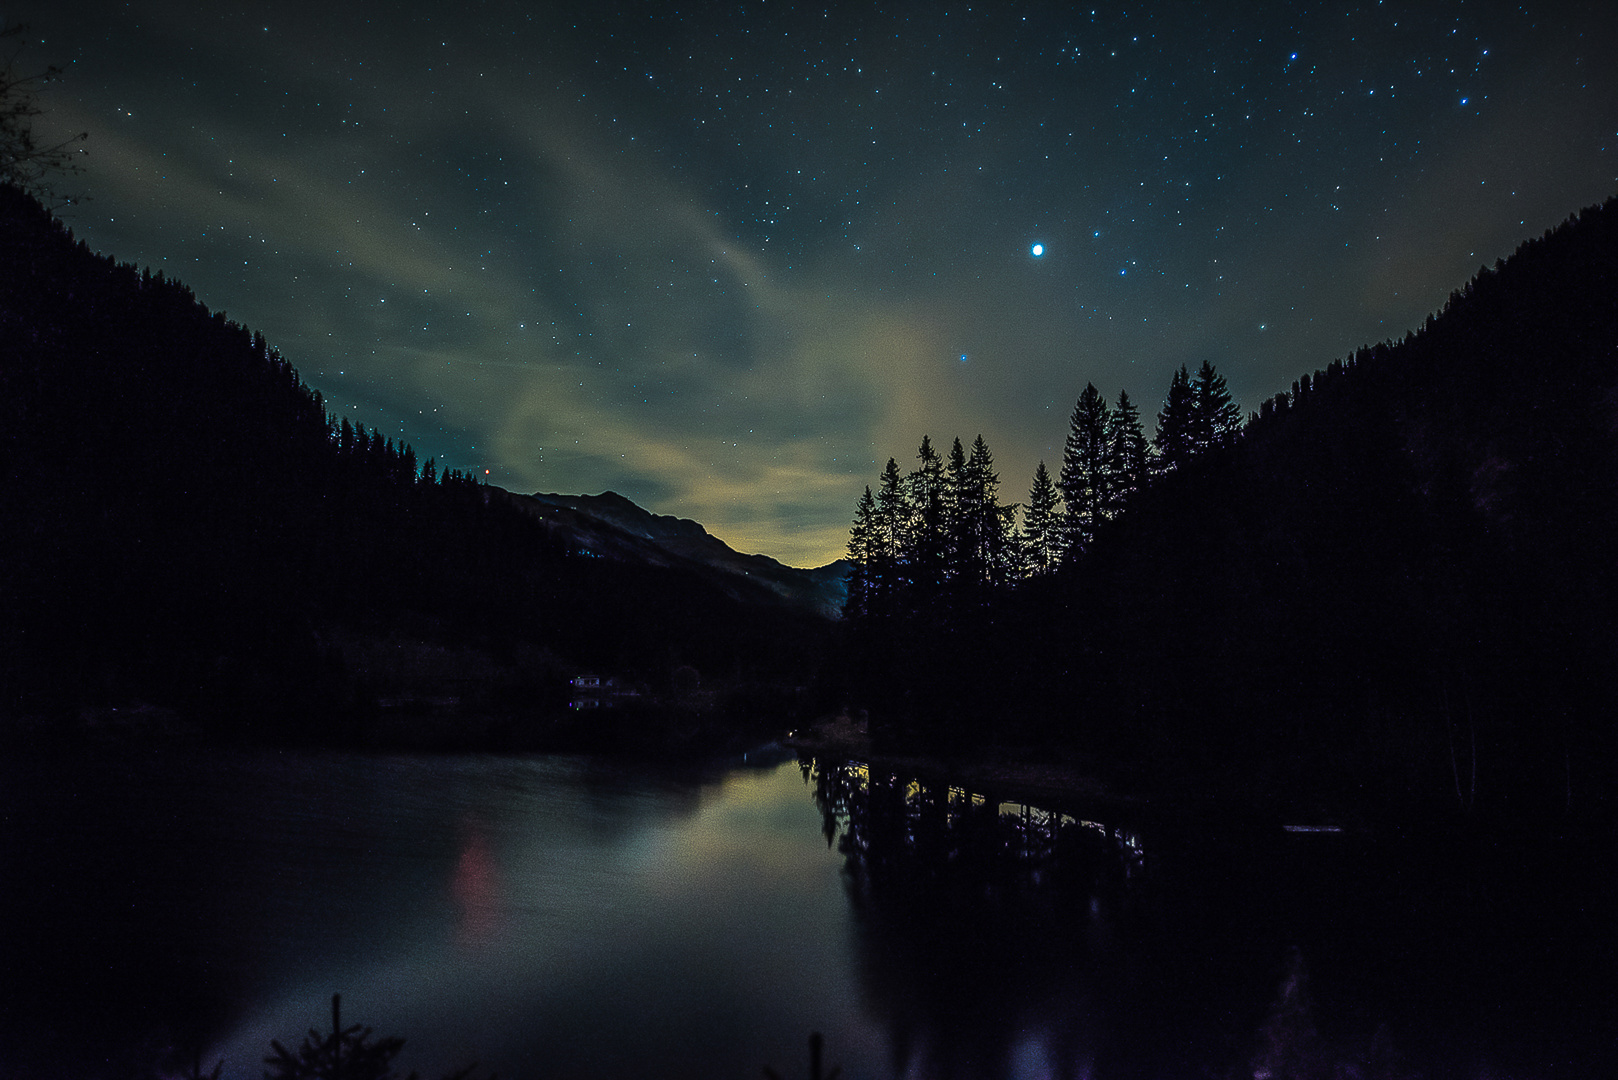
(187, 527)
(610, 525)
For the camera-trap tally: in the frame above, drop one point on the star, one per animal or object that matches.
(805, 213)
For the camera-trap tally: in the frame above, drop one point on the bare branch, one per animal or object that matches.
(24, 161)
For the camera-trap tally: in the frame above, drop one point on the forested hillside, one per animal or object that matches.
(184, 525)
(1393, 585)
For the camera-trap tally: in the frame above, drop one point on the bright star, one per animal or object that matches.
(1037, 250)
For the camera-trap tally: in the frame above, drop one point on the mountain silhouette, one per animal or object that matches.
(610, 526)
(185, 526)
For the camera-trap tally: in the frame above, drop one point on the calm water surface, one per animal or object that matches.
(553, 917)
(544, 917)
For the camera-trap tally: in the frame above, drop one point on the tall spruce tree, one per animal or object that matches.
(1127, 452)
(1086, 478)
(1177, 424)
(1218, 418)
(929, 530)
(984, 526)
(955, 481)
(1044, 530)
(892, 535)
(862, 557)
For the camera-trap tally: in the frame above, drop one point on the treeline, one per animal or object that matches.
(185, 525)
(941, 528)
(1391, 585)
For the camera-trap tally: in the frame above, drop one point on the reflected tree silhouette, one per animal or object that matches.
(999, 939)
(816, 1047)
(983, 928)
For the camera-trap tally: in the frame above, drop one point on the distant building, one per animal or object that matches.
(594, 692)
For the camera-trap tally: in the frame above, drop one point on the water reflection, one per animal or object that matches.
(476, 889)
(997, 939)
(547, 917)
(986, 929)
(556, 917)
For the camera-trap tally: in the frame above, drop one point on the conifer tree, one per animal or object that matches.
(955, 482)
(1127, 454)
(891, 538)
(862, 557)
(929, 527)
(1086, 478)
(346, 1054)
(1043, 527)
(983, 536)
(1176, 424)
(1218, 418)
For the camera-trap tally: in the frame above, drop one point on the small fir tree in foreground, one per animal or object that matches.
(345, 1054)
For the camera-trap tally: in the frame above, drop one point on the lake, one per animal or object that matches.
(562, 916)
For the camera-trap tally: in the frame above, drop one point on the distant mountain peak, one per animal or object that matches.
(624, 513)
(610, 525)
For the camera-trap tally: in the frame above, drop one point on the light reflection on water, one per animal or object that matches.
(620, 929)
(1002, 940)
(559, 917)
(543, 917)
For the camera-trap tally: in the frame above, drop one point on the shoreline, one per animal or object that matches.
(1002, 775)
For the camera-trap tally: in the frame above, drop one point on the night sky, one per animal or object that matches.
(727, 261)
